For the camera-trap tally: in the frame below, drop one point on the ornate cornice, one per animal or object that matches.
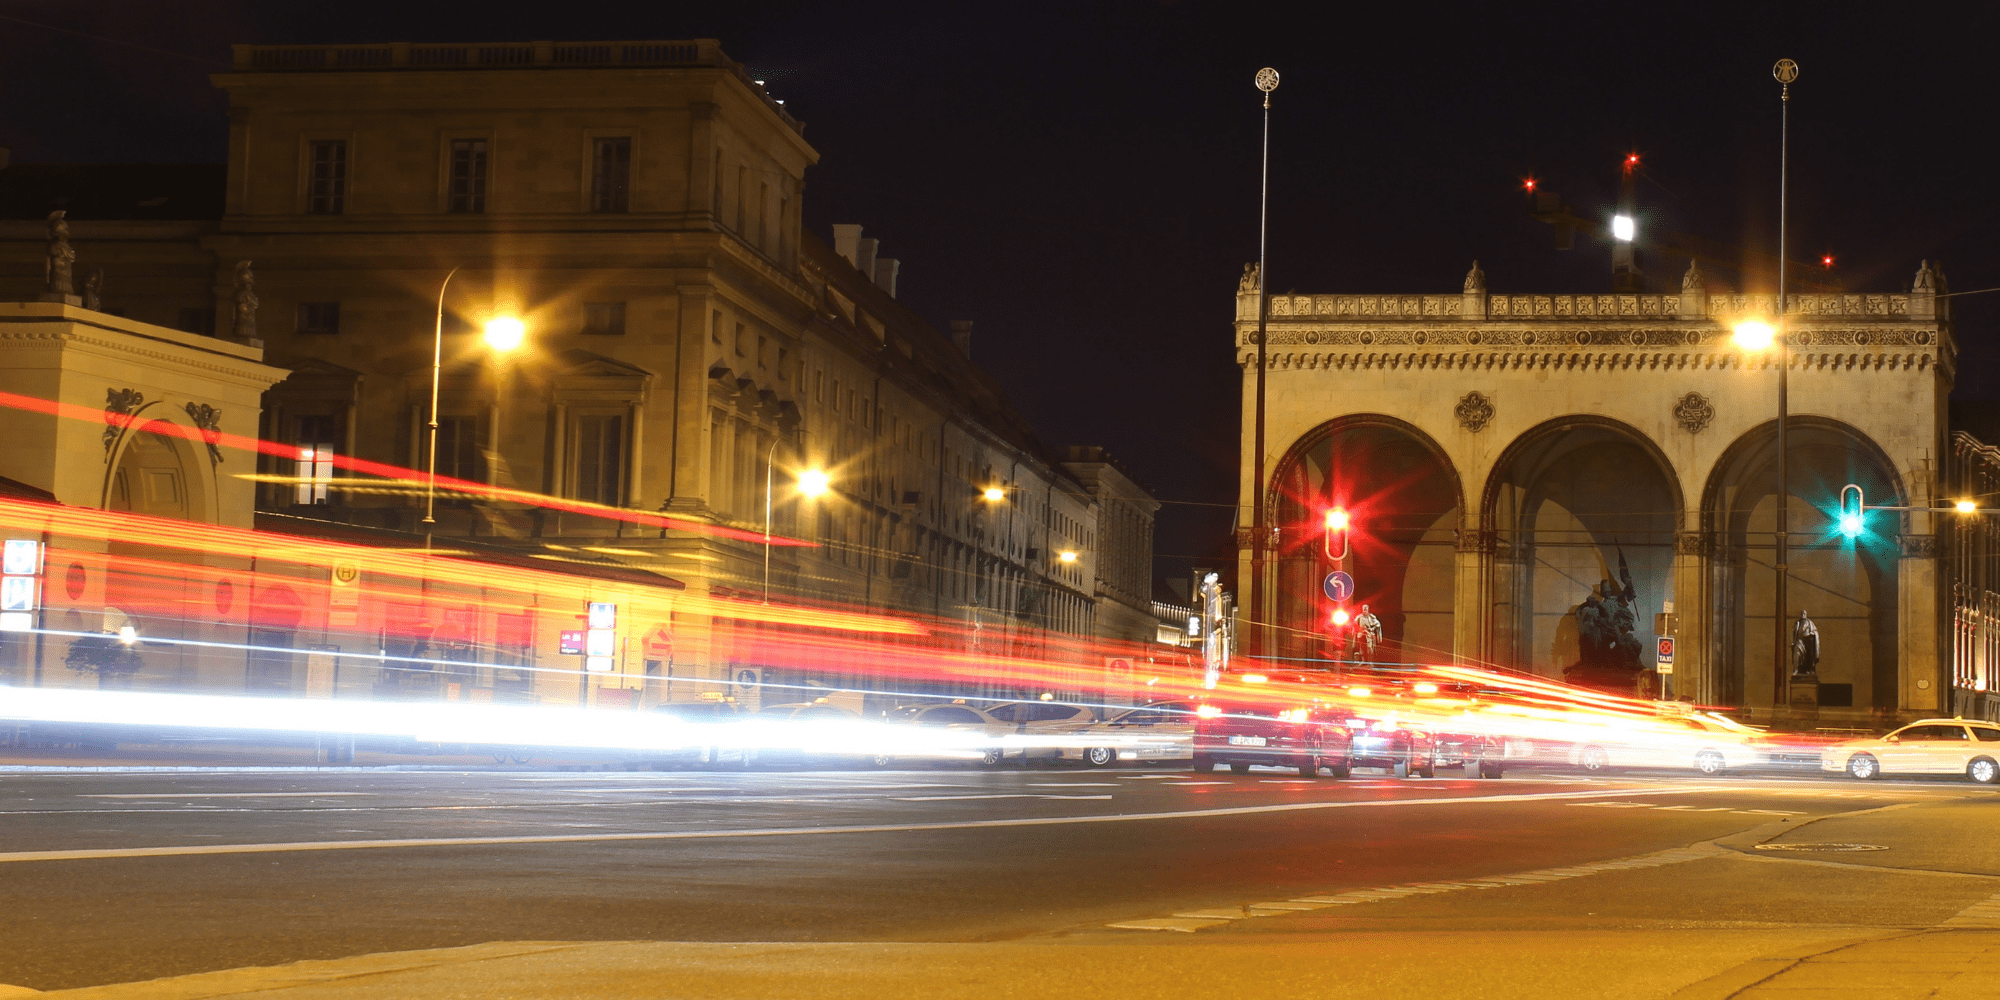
(1658, 338)
(1580, 360)
(1891, 307)
(14, 338)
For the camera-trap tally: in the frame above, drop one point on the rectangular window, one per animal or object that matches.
(740, 337)
(763, 220)
(605, 319)
(317, 447)
(195, 319)
(326, 177)
(600, 459)
(742, 197)
(468, 175)
(319, 317)
(461, 448)
(611, 175)
(715, 327)
(763, 344)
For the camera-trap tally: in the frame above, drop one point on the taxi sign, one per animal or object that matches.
(1664, 658)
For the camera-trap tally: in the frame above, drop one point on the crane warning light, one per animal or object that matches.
(1529, 185)
(1336, 534)
(1826, 261)
(1631, 160)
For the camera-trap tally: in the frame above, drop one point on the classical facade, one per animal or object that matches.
(690, 348)
(1528, 473)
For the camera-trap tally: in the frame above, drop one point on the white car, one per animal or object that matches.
(1927, 746)
(961, 731)
(1163, 730)
(1030, 723)
(1707, 745)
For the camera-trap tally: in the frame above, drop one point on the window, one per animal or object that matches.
(319, 317)
(1986, 735)
(326, 177)
(605, 319)
(316, 441)
(763, 222)
(740, 336)
(715, 327)
(742, 197)
(468, 175)
(600, 458)
(763, 343)
(196, 319)
(611, 175)
(461, 448)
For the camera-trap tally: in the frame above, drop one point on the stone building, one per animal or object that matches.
(691, 349)
(1518, 467)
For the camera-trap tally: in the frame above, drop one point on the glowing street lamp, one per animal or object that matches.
(814, 482)
(1622, 228)
(1067, 556)
(1967, 507)
(1754, 335)
(811, 483)
(503, 333)
(994, 494)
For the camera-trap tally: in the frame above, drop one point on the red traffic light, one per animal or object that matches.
(1340, 617)
(1336, 534)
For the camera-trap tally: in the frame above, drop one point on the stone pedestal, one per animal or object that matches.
(1804, 693)
(68, 300)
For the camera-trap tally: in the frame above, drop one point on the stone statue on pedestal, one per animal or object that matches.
(1475, 280)
(61, 257)
(246, 302)
(1367, 632)
(1926, 278)
(1691, 281)
(93, 288)
(1805, 647)
(1248, 283)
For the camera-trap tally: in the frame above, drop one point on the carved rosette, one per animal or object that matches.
(1474, 412)
(1694, 411)
(1919, 546)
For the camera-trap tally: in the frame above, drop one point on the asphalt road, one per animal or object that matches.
(115, 877)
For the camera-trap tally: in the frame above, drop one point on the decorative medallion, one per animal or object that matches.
(1312, 336)
(1472, 338)
(119, 405)
(1802, 339)
(1528, 338)
(1583, 337)
(1924, 337)
(209, 419)
(1638, 338)
(1861, 340)
(1474, 412)
(1694, 338)
(1421, 338)
(1368, 338)
(1694, 412)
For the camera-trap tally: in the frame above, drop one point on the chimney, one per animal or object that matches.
(847, 242)
(961, 337)
(864, 256)
(885, 274)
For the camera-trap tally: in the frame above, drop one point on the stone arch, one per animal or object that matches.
(1405, 496)
(1851, 587)
(1581, 513)
(155, 470)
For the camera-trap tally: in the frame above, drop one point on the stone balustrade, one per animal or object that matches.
(1500, 308)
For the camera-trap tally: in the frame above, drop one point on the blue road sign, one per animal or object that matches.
(1338, 586)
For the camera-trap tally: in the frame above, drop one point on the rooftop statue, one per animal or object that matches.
(246, 302)
(61, 259)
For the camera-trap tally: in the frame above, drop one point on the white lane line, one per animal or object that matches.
(806, 831)
(1985, 913)
(223, 795)
(1168, 924)
(1191, 784)
(1988, 911)
(1072, 784)
(1006, 795)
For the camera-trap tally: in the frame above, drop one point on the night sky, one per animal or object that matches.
(1081, 180)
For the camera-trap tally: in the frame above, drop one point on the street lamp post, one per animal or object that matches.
(1267, 81)
(1785, 71)
(811, 483)
(503, 333)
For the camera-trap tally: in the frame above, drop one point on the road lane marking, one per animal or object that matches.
(223, 795)
(1985, 913)
(1072, 784)
(1356, 897)
(996, 795)
(12, 857)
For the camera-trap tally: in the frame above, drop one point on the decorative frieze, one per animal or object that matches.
(1583, 360)
(209, 419)
(1690, 543)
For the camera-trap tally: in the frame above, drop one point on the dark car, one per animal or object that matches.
(1399, 749)
(1248, 734)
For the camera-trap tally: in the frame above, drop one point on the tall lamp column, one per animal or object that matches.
(1267, 81)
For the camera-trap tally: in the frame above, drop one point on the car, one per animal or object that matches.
(1162, 730)
(800, 734)
(705, 725)
(1031, 720)
(1245, 734)
(1401, 750)
(1927, 746)
(966, 732)
(1606, 742)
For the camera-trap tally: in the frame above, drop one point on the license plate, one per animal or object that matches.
(1247, 741)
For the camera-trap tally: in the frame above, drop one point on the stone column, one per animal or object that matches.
(1471, 599)
(1920, 654)
(1694, 664)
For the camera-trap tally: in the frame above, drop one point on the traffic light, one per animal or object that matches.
(1336, 534)
(1851, 516)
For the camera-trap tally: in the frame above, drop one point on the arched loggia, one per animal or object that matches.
(1849, 586)
(1582, 512)
(1403, 498)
